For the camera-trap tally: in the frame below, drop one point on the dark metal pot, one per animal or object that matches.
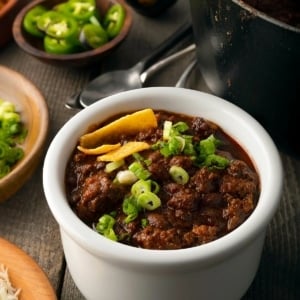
(253, 61)
(151, 8)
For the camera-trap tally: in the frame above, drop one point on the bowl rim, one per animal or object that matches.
(20, 40)
(37, 149)
(206, 254)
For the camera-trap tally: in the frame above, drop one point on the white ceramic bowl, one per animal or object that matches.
(222, 269)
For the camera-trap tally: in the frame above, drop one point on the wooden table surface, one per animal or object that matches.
(25, 218)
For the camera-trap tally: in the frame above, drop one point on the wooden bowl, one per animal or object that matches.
(25, 274)
(34, 46)
(32, 106)
(7, 14)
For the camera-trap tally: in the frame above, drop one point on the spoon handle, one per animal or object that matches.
(183, 31)
(185, 75)
(165, 61)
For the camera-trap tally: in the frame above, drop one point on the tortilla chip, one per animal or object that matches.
(99, 150)
(129, 124)
(124, 151)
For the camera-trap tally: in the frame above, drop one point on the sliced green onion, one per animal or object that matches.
(216, 161)
(149, 201)
(139, 171)
(181, 141)
(110, 234)
(14, 154)
(114, 165)
(175, 145)
(4, 150)
(12, 133)
(180, 127)
(137, 156)
(167, 130)
(164, 149)
(6, 106)
(4, 168)
(105, 222)
(179, 175)
(174, 141)
(140, 187)
(105, 227)
(189, 148)
(208, 146)
(154, 187)
(130, 208)
(207, 156)
(11, 117)
(126, 177)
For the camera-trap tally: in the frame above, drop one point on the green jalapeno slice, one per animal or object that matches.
(59, 46)
(31, 18)
(114, 19)
(94, 35)
(61, 7)
(81, 10)
(57, 25)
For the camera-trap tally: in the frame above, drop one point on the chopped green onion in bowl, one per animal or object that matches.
(12, 135)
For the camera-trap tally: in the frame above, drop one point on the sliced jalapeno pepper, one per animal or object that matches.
(57, 25)
(45, 19)
(114, 19)
(91, 2)
(81, 10)
(60, 46)
(94, 35)
(61, 7)
(31, 18)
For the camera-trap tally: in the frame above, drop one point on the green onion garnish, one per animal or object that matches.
(130, 208)
(12, 133)
(207, 156)
(105, 227)
(139, 171)
(140, 187)
(149, 201)
(179, 175)
(114, 165)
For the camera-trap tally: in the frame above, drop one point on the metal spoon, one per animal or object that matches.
(122, 80)
(74, 101)
(186, 74)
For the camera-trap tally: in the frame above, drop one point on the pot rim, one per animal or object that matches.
(206, 254)
(253, 11)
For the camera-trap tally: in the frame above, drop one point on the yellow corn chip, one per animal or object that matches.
(99, 150)
(124, 151)
(129, 124)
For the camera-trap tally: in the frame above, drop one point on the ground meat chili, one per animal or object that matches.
(287, 11)
(212, 203)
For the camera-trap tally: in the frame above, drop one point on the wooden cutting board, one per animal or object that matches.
(25, 273)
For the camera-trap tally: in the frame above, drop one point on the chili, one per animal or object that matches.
(184, 199)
